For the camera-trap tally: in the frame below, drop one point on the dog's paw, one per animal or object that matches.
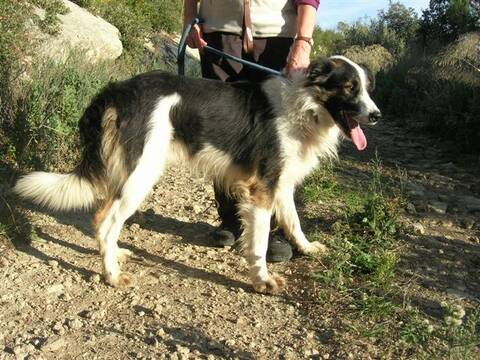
(272, 285)
(123, 255)
(120, 281)
(313, 248)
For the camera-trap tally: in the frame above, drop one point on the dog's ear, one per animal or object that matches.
(320, 71)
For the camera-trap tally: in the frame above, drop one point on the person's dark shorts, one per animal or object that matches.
(270, 52)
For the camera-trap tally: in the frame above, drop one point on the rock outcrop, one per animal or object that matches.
(79, 29)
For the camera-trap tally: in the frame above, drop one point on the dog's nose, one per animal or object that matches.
(375, 117)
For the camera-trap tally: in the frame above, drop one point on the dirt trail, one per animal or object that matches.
(194, 301)
(443, 209)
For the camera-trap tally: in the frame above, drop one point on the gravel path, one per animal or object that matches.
(189, 300)
(193, 301)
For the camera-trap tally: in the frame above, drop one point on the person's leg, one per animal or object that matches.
(272, 53)
(214, 67)
(230, 228)
(269, 52)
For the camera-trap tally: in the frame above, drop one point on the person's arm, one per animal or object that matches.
(194, 39)
(299, 57)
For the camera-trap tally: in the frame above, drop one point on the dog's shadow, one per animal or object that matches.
(195, 233)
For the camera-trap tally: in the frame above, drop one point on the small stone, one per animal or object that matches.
(230, 343)
(74, 324)
(134, 227)
(211, 253)
(197, 209)
(19, 351)
(158, 309)
(141, 313)
(54, 344)
(468, 223)
(437, 206)
(411, 208)
(151, 340)
(95, 278)
(241, 321)
(418, 229)
(182, 350)
(54, 289)
(65, 297)
(53, 263)
(447, 223)
(58, 328)
(93, 315)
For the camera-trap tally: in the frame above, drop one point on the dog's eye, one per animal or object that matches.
(350, 87)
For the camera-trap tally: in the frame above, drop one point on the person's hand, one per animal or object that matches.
(195, 38)
(299, 58)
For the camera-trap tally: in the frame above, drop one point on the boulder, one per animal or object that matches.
(96, 38)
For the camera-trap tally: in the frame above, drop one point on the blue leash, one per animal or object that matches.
(183, 44)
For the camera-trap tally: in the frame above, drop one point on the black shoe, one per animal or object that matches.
(224, 236)
(279, 249)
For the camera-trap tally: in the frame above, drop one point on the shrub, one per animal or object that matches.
(376, 57)
(42, 128)
(50, 23)
(136, 19)
(445, 102)
(326, 42)
(363, 34)
(460, 60)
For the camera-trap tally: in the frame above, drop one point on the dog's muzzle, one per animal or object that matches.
(374, 117)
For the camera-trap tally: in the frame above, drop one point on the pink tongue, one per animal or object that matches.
(357, 135)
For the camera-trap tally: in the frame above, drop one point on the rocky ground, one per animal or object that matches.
(192, 301)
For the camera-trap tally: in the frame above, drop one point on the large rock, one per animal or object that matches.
(97, 39)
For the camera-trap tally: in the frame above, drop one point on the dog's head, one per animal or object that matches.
(343, 88)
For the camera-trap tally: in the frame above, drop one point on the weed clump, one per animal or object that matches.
(359, 279)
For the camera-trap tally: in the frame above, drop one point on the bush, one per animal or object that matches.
(363, 34)
(460, 60)
(376, 57)
(41, 131)
(39, 115)
(136, 19)
(446, 106)
(326, 42)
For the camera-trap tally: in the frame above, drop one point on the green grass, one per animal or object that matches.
(359, 276)
(43, 130)
(39, 112)
(137, 19)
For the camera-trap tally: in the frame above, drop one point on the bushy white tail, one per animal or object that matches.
(57, 191)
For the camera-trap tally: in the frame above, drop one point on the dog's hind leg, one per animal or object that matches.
(255, 215)
(134, 191)
(287, 218)
(139, 183)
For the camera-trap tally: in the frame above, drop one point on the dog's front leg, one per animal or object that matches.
(287, 217)
(256, 221)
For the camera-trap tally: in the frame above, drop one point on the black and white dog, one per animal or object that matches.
(256, 141)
